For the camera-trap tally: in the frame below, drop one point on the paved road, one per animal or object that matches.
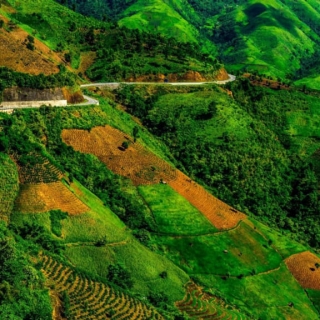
(90, 101)
(117, 84)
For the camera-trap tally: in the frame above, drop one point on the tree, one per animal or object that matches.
(120, 276)
(125, 145)
(135, 133)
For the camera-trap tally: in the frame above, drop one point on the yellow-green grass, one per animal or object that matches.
(238, 252)
(158, 16)
(143, 265)
(172, 213)
(312, 82)
(269, 34)
(267, 295)
(9, 186)
(281, 242)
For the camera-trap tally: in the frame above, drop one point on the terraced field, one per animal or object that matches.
(305, 267)
(201, 305)
(38, 169)
(92, 299)
(43, 197)
(143, 168)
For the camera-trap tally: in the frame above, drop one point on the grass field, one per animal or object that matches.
(156, 16)
(143, 265)
(172, 213)
(282, 243)
(266, 296)
(238, 252)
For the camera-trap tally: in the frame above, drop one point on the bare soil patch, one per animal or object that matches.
(305, 267)
(15, 55)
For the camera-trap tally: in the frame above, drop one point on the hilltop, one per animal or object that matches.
(276, 38)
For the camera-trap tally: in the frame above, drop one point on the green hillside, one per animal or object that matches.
(178, 202)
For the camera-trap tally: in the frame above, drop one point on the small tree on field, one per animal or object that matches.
(135, 133)
(125, 145)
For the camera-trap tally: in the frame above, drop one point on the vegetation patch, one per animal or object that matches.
(236, 253)
(9, 186)
(199, 304)
(172, 213)
(264, 295)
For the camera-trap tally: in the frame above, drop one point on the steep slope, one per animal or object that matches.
(21, 52)
(158, 16)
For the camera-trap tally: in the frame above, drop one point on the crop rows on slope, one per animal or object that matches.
(200, 305)
(305, 267)
(39, 171)
(143, 167)
(92, 299)
(41, 197)
(219, 213)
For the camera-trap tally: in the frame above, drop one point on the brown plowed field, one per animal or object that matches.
(15, 55)
(136, 163)
(39, 198)
(303, 267)
(143, 167)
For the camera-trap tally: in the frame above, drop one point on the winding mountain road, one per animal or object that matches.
(90, 101)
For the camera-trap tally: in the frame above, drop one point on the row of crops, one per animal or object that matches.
(201, 305)
(84, 298)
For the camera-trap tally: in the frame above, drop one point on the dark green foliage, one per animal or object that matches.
(66, 304)
(22, 293)
(118, 275)
(38, 235)
(103, 10)
(56, 216)
(158, 299)
(10, 78)
(124, 53)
